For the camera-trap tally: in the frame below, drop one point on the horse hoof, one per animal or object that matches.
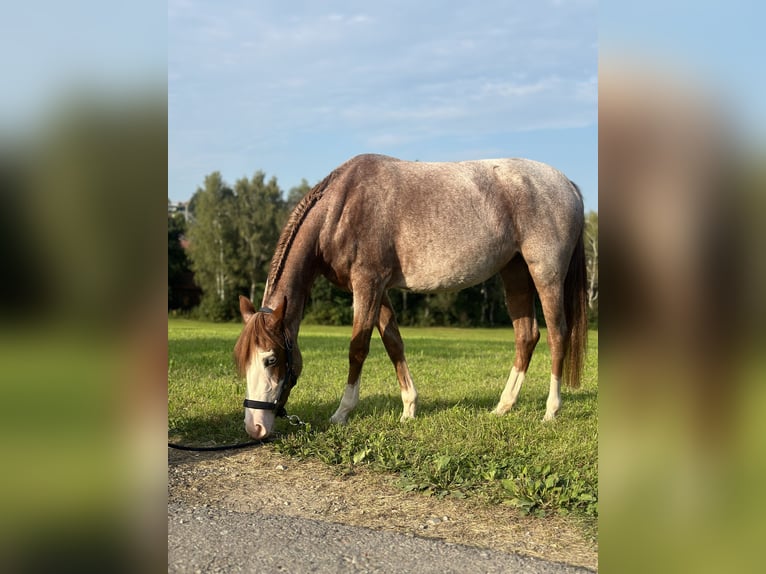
(498, 412)
(336, 420)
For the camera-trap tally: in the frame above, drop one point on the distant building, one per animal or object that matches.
(178, 207)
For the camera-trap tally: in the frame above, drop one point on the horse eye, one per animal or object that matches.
(270, 361)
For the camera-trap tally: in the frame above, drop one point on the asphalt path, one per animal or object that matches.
(205, 538)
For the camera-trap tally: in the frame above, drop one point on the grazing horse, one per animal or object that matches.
(377, 223)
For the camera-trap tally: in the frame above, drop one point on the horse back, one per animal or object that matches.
(436, 226)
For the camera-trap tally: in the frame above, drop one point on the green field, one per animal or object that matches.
(454, 447)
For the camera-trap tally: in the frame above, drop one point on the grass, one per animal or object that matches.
(454, 447)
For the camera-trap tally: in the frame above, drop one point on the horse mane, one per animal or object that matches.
(292, 226)
(255, 333)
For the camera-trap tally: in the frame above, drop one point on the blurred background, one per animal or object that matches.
(83, 172)
(681, 193)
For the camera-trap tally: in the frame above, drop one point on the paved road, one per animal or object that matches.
(209, 539)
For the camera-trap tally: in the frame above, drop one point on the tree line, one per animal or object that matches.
(232, 232)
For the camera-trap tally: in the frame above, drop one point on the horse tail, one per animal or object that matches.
(575, 308)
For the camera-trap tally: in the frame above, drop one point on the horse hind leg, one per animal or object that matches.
(552, 300)
(392, 340)
(366, 310)
(520, 300)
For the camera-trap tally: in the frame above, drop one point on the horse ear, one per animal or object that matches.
(246, 308)
(279, 312)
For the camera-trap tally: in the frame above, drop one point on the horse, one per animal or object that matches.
(377, 223)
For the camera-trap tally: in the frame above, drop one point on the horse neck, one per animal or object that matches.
(300, 268)
(296, 301)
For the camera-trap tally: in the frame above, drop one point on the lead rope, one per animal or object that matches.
(294, 420)
(223, 446)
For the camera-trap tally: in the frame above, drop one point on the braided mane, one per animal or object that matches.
(292, 226)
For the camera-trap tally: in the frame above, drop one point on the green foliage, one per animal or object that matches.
(232, 238)
(296, 194)
(454, 448)
(481, 305)
(328, 305)
(178, 262)
(214, 246)
(258, 218)
(212, 308)
(538, 489)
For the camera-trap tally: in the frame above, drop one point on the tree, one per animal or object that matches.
(178, 262)
(591, 262)
(258, 220)
(296, 194)
(328, 305)
(213, 248)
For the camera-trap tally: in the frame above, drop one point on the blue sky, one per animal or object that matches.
(51, 51)
(718, 46)
(294, 89)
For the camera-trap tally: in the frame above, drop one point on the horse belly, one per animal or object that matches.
(453, 265)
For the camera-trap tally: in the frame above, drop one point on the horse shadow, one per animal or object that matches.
(228, 427)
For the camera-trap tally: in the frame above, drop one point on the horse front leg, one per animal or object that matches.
(366, 310)
(392, 340)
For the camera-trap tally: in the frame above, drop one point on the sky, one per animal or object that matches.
(51, 51)
(717, 47)
(295, 89)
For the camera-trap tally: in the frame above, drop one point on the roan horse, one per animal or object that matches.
(376, 223)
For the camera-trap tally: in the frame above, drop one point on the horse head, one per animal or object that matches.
(270, 361)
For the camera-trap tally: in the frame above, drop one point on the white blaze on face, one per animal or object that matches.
(262, 385)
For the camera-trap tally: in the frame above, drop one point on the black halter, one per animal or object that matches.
(290, 378)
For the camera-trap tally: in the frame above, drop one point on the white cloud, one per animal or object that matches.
(389, 140)
(388, 76)
(349, 19)
(515, 90)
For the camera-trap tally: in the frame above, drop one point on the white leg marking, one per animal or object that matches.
(347, 404)
(410, 402)
(511, 392)
(553, 403)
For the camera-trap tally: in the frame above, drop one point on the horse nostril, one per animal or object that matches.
(257, 431)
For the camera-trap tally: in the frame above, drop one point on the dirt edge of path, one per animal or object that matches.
(263, 480)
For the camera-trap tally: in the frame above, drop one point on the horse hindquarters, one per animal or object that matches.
(561, 289)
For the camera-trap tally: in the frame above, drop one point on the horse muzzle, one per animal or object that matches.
(259, 423)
